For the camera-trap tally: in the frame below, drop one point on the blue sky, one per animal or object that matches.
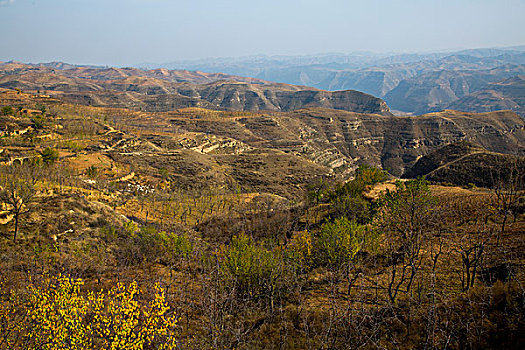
(125, 32)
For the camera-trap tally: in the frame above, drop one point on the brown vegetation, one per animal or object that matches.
(253, 247)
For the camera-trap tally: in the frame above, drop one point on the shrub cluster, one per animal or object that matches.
(338, 242)
(252, 270)
(136, 245)
(347, 199)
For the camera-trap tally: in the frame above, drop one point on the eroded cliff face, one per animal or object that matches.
(343, 140)
(395, 143)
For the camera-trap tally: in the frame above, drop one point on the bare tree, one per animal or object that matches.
(472, 247)
(407, 219)
(16, 194)
(472, 231)
(509, 188)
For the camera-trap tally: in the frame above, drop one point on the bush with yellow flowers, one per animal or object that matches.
(55, 314)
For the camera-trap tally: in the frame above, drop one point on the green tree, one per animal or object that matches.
(41, 108)
(39, 121)
(348, 199)
(49, 155)
(316, 191)
(7, 110)
(354, 208)
(250, 269)
(338, 242)
(369, 175)
(92, 172)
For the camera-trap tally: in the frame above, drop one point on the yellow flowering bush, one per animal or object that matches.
(57, 315)
(121, 323)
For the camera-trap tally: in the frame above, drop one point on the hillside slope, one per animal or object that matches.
(463, 163)
(342, 140)
(253, 148)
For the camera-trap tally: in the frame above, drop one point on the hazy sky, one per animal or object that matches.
(125, 32)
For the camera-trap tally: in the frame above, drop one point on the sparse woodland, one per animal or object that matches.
(100, 252)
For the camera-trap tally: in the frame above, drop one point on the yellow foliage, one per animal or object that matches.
(300, 249)
(56, 315)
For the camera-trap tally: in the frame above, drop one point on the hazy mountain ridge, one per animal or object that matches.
(434, 91)
(349, 61)
(506, 94)
(394, 77)
(162, 90)
(109, 73)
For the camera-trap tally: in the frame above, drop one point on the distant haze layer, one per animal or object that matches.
(126, 32)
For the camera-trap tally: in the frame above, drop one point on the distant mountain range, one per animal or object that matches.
(411, 83)
(506, 94)
(443, 89)
(161, 90)
(478, 80)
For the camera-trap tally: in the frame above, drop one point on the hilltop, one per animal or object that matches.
(161, 90)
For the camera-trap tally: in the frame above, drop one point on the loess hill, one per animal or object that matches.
(465, 164)
(161, 90)
(265, 217)
(278, 152)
